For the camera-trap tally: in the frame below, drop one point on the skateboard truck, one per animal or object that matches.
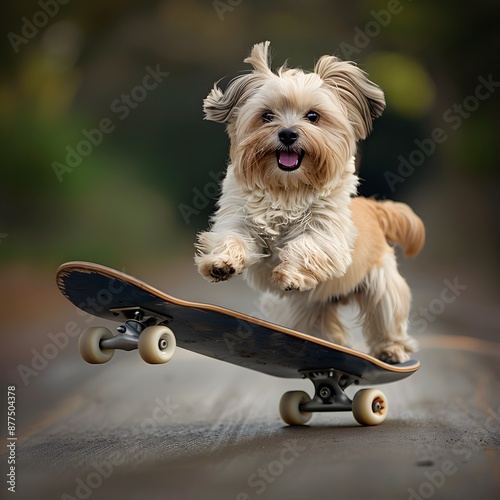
(140, 314)
(369, 406)
(143, 330)
(127, 338)
(329, 388)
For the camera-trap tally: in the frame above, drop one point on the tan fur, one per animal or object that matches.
(298, 234)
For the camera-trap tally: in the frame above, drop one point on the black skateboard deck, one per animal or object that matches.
(221, 334)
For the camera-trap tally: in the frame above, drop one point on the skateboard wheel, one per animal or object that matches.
(370, 406)
(289, 408)
(157, 344)
(89, 345)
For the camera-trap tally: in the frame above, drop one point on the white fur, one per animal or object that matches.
(300, 235)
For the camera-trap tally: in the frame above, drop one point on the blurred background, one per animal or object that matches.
(105, 155)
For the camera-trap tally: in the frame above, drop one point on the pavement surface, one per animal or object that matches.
(198, 428)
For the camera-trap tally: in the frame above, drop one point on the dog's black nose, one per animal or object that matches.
(288, 136)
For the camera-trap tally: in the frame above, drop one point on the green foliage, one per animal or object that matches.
(91, 59)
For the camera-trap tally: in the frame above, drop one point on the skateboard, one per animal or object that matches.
(156, 324)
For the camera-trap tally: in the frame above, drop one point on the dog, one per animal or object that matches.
(288, 214)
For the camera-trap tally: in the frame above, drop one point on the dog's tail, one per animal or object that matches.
(401, 226)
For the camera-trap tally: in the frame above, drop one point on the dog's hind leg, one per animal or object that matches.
(313, 318)
(330, 326)
(384, 308)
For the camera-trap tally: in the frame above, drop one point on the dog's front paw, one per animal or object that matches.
(226, 259)
(216, 268)
(289, 278)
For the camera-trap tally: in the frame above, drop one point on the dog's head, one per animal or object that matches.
(294, 129)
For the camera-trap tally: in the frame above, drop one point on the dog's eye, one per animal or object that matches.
(312, 116)
(267, 117)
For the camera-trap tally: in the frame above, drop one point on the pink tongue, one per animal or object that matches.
(289, 158)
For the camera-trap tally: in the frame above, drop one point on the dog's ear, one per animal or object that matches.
(260, 59)
(363, 99)
(219, 106)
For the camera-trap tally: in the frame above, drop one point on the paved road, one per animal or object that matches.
(201, 429)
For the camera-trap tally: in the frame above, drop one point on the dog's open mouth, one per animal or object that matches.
(288, 159)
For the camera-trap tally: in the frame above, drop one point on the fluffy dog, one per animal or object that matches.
(288, 215)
